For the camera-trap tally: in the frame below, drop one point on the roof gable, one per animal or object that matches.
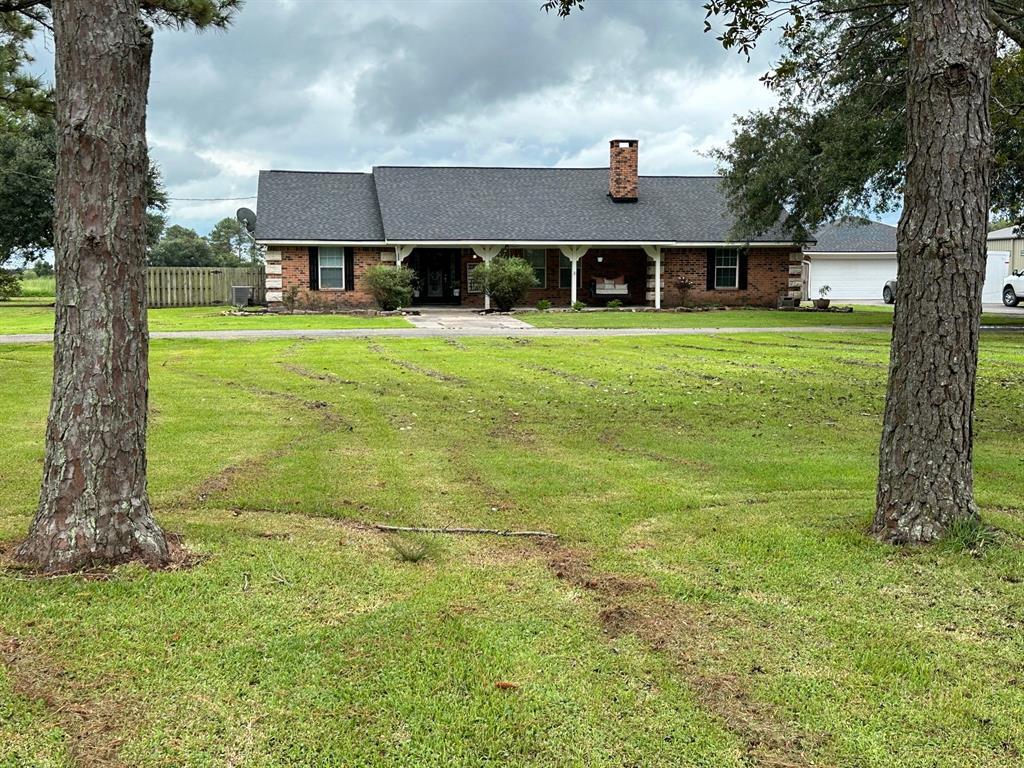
(307, 205)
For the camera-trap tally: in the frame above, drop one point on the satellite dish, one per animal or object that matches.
(247, 219)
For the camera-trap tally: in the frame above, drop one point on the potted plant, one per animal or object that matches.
(822, 302)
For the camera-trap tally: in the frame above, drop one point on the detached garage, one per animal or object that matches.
(856, 257)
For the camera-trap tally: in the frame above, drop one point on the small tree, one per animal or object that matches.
(10, 284)
(506, 280)
(391, 288)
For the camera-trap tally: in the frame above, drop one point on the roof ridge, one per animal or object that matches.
(547, 168)
(500, 167)
(320, 173)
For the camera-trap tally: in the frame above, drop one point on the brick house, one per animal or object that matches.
(591, 234)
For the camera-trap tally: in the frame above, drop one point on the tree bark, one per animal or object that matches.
(925, 478)
(94, 508)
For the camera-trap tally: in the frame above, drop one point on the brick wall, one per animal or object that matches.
(294, 261)
(622, 170)
(767, 278)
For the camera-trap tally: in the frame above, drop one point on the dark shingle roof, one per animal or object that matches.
(469, 204)
(303, 205)
(855, 236)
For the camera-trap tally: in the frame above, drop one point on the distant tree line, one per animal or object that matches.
(227, 245)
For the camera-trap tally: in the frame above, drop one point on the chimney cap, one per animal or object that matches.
(624, 142)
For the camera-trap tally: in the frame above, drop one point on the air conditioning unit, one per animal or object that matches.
(241, 295)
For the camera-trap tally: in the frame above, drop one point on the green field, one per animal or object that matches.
(729, 318)
(713, 599)
(28, 316)
(38, 287)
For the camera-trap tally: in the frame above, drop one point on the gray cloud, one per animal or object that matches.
(350, 84)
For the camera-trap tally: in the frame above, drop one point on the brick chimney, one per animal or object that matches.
(622, 177)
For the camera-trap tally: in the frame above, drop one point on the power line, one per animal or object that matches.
(210, 200)
(175, 199)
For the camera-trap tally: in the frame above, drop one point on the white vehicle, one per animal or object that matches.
(1013, 290)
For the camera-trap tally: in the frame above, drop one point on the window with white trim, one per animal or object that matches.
(565, 272)
(538, 259)
(332, 268)
(727, 268)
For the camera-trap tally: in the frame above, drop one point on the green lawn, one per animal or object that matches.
(713, 601)
(28, 316)
(730, 318)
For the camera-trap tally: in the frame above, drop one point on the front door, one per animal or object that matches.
(436, 275)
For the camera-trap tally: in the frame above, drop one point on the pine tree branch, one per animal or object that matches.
(1014, 33)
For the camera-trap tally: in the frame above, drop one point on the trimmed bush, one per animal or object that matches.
(506, 280)
(391, 288)
(543, 305)
(578, 306)
(615, 304)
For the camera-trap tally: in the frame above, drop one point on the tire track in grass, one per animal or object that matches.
(430, 373)
(330, 421)
(689, 636)
(94, 728)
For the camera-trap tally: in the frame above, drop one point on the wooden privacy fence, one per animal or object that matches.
(202, 286)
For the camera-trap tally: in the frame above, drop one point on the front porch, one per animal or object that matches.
(564, 275)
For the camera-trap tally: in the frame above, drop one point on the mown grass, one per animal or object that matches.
(26, 316)
(866, 315)
(714, 599)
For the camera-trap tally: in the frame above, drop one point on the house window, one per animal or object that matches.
(727, 268)
(565, 273)
(332, 268)
(538, 259)
(474, 284)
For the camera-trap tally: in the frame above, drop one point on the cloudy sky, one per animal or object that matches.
(347, 84)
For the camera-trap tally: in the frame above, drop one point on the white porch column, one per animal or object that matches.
(574, 253)
(401, 253)
(487, 252)
(654, 253)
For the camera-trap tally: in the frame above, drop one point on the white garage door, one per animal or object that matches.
(850, 279)
(997, 267)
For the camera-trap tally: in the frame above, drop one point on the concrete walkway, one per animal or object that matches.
(456, 320)
(433, 332)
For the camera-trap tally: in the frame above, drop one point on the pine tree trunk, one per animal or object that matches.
(94, 508)
(925, 479)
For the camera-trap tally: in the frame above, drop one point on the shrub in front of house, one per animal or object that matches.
(615, 304)
(506, 280)
(391, 288)
(578, 306)
(543, 305)
(290, 298)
